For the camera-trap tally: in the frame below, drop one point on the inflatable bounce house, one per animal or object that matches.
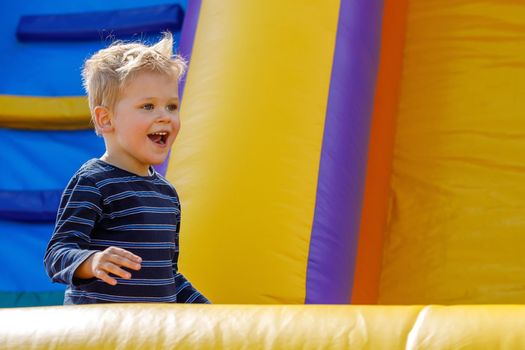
(350, 172)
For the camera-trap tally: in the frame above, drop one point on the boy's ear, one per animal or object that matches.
(102, 120)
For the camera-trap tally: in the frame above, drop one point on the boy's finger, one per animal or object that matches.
(126, 254)
(100, 274)
(123, 261)
(117, 271)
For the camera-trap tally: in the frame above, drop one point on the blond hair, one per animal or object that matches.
(106, 72)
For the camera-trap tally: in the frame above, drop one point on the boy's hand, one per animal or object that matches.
(101, 264)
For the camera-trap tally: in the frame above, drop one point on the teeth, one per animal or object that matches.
(162, 133)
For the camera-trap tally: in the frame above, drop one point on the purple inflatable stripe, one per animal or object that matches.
(189, 28)
(344, 153)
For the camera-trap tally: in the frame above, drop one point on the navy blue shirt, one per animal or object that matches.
(105, 206)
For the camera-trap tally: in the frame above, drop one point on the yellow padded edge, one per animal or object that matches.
(142, 326)
(27, 112)
(206, 327)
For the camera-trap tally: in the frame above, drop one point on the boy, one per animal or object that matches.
(116, 237)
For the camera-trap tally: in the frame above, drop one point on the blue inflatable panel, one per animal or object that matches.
(22, 248)
(44, 160)
(100, 24)
(56, 72)
(31, 206)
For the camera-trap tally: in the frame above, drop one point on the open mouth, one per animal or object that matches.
(159, 138)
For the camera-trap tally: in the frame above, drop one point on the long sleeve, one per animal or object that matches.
(186, 293)
(80, 208)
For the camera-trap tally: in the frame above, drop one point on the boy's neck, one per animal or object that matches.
(141, 171)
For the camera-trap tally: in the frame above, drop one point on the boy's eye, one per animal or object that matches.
(172, 107)
(148, 106)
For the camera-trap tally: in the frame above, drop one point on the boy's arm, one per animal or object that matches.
(186, 293)
(80, 208)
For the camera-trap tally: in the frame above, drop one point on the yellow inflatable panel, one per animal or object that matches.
(26, 112)
(457, 226)
(247, 157)
(162, 326)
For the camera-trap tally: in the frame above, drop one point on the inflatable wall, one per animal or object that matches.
(455, 227)
(269, 161)
(354, 151)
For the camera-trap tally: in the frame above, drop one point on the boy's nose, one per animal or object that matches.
(164, 117)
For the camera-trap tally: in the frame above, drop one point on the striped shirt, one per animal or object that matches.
(105, 206)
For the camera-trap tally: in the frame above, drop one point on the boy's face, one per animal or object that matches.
(145, 122)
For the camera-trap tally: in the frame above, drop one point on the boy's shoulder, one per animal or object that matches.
(94, 170)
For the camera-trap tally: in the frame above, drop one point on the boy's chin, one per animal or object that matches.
(158, 162)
